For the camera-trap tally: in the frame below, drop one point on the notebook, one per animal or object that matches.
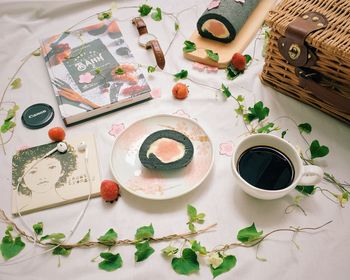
(40, 182)
(93, 72)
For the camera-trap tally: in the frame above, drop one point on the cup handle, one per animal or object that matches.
(312, 175)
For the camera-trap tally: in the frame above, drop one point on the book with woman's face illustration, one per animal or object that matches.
(41, 182)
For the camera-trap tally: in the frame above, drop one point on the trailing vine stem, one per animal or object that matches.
(256, 242)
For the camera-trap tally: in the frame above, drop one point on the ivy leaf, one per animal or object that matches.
(38, 228)
(144, 10)
(197, 247)
(232, 73)
(85, 239)
(240, 110)
(266, 128)
(191, 212)
(36, 52)
(317, 150)
(157, 15)
(189, 47)
(108, 238)
(177, 26)
(54, 237)
(151, 69)
(169, 251)
(11, 113)
(228, 263)
(11, 247)
(249, 234)
(119, 71)
(7, 125)
(104, 15)
(60, 251)
(225, 91)
(144, 232)
(306, 190)
(257, 112)
(212, 55)
(143, 251)
(111, 262)
(305, 127)
(98, 70)
(193, 217)
(248, 59)
(181, 75)
(187, 264)
(16, 83)
(240, 98)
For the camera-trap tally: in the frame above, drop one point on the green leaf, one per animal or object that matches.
(54, 237)
(143, 251)
(240, 110)
(266, 128)
(181, 75)
(212, 55)
(240, 98)
(144, 232)
(61, 251)
(191, 212)
(119, 71)
(225, 91)
(248, 59)
(157, 15)
(38, 228)
(98, 70)
(7, 125)
(257, 112)
(11, 247)
(169, 251)
(197, 247)
(317, 150)
(105, 15)
(111, 262)
(232, 73)
(228, 263)
(108, 238)
(36, 52)
(16, 83)
(306, 190)
(187, 264)
(189, 47)
(305, 127)
(177, 26)
(284, 132)
(144, 10)
(249, 234)
(86, 238)
(151, 69)
(11, 113)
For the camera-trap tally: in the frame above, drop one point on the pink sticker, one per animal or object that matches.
(226, 149)
(156, 93)
(86, 78)
(213, 4)
(212, 69)
(116, 129)
(198, 66)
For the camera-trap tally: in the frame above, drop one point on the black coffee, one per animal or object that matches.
(266, 168)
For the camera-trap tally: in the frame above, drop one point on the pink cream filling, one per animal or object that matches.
(167, 150)
(216, 28)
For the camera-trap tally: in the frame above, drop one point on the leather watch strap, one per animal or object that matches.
(158, 53)
(140, 25)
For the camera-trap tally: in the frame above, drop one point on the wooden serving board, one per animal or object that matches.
(239, 44)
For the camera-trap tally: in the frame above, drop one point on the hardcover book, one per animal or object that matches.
(40, 182)
(93, 72)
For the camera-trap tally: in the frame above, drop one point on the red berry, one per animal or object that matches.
(57, 134)
(180, 91)
(238, 61)
(109, 190)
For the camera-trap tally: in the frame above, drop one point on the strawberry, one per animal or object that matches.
(57, 134)
(109, 191)
(238, 61)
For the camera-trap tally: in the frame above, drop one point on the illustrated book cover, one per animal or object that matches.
(40, 182)
(93, 72)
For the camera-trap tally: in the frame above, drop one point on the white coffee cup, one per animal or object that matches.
(304, 175)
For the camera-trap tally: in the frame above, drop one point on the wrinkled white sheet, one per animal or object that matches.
(321, 255)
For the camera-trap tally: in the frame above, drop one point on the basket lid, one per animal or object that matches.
(334, 40)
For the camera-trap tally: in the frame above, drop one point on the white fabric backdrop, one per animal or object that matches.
(322, 255)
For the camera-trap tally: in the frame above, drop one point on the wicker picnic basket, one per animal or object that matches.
(308, 54)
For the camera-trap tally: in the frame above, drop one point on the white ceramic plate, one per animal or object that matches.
(154, 184)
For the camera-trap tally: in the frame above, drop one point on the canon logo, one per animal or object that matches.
(37, 114)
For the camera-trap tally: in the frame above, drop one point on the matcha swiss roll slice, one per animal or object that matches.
(223, 19)
(166, 150)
